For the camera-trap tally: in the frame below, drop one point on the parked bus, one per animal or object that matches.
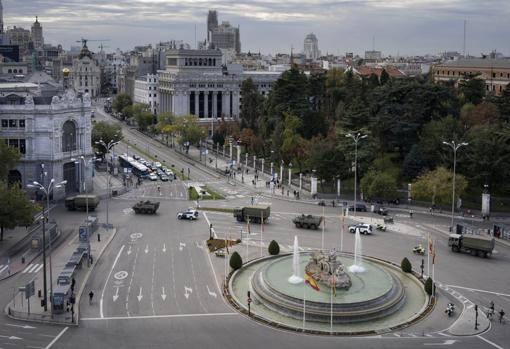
(138, 169)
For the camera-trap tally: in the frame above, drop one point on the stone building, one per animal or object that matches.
(86, 73)
(50, 132)
(311, 47)
(146, 91)
(37, 34)
(494, 72)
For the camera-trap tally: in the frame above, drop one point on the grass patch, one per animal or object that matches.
(152, 158)
(193, 194)
(218, 244)
(217, 209)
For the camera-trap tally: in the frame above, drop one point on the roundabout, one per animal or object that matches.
(378, 299)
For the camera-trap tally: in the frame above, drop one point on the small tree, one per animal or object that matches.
(121, 101)
(406, 265)
(107, 132)
(236, 262)
(428, 286)
(15, 208)
(274, 248)
(9, 157)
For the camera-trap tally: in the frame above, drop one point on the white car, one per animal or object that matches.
(157, 164)
(153, 177)
(190, 214)
(362, 227)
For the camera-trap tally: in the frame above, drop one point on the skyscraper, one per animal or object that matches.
(311, 47)
(1, 18)
(212, 23)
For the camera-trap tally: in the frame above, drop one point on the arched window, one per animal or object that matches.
(15, 71)
(9, 71)
(68, 136)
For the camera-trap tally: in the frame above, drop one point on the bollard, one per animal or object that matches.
(23, 260)
(98, 237)
(39, 293)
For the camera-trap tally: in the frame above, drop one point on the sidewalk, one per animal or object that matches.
(19, 306)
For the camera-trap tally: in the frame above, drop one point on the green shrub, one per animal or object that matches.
(406, 265)
(428, 286)
(274, 248)
(236, 262)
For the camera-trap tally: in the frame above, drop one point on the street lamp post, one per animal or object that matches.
(217, 151)
(108, 146)
(262, 167)
(290, 174)
(47, 191)
(455, 147)
(356, 139)
(281, 171)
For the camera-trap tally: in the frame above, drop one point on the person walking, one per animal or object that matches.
(91, 296)
(501, 316)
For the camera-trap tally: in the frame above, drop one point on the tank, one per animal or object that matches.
(146, 207)
(307, 221)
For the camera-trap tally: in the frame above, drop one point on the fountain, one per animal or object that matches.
(295, 278)
(357, 267)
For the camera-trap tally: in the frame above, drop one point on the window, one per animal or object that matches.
(22, 146)
(5, 123)
(12, 123)
(155, 95)
(21, 71)
(9, 71)
(69, 136)
(22, 123)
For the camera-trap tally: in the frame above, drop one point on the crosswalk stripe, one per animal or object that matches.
(1, 270)
(37, 269)
(30, 266)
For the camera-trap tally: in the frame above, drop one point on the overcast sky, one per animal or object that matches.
(399, 26)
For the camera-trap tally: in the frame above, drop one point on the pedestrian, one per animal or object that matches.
(73, 282)
(410, 213)
(91, 259)
(91, 295)
(501, 316)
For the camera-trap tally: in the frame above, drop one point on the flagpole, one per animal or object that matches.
(433, 276)
(331, 307)
(304, 304)
(342, 232)
(323, 224)
(428, 255)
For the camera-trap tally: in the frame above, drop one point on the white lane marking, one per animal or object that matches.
(164, 247)
(146, 249)
(477, 290)
(489, 342)
(129, 250)
(29, 267)
(209, 224)
(163, 294)
(181, 246)
(22, 326)
(140, 295)
(446, 342)
(36, 270)
(159, 316)
(56, 338)
(10, 337)
(108, 278)
(1, 270)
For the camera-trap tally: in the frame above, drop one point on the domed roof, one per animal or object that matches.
(85, 52)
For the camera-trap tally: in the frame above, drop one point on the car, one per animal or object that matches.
(157, 164)
(190, 214)
(359, 208)
(383, 211)
(136, 157)
(362, 227)
(163, 177)
(153, 177)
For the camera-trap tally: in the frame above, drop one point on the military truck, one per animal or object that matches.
(146, 207)
(307, 221)
(255, 213)
(477, 245)
(79, 202)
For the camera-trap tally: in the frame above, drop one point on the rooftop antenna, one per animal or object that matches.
(196, 46)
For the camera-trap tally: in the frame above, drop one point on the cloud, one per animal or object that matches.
(412, 26)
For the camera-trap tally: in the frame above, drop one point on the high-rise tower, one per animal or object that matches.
(1, 18)
(212, 23)
(37, 34)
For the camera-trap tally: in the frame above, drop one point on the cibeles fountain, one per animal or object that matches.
(316, 291)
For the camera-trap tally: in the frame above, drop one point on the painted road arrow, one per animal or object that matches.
(187, 291)
(181, 246)
(164, 247)
(129, 250)
(446, 342)
(211, 293)
(140, 295)
(163, 295)
(147, 249)
(116, 295)
(10, 337)
(22, 326)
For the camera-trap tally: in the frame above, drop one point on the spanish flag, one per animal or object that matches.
(310, 281)
(431, 247)
(434, 256)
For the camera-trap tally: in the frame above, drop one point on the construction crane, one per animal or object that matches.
(84, 41)
(101, 47)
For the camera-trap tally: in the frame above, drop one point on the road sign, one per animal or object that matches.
(84, 237)
(29, 289)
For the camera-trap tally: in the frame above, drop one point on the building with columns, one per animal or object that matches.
(195, 82)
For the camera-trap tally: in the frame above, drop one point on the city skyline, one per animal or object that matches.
(417, 27)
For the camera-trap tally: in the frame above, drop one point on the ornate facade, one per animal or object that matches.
(86, 73)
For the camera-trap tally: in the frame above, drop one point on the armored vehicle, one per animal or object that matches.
(255, 213)
(146, 207)
(307, 221)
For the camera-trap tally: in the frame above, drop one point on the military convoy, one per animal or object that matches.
(477, 245)
(80, 202)
(307, 221)
(254, 213)
(149, 207)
